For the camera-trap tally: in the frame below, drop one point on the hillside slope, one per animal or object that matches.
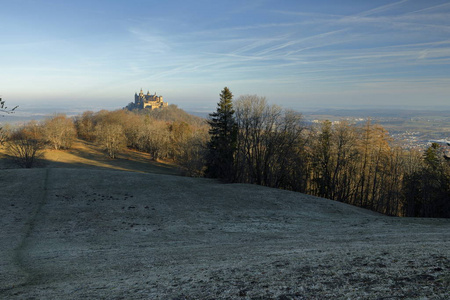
(88, 155)
(99, 234)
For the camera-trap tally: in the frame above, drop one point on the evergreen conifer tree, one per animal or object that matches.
(223, 136)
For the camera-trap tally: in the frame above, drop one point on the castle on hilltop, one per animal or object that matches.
(142, 101)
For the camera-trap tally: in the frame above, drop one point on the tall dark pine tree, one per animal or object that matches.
(223, 133)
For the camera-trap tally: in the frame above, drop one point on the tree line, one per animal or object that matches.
(254, 142)
(168, 134)
(249, 141)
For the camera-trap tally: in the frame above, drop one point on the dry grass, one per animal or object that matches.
(101, 234)
(74, 228)
(85, 154)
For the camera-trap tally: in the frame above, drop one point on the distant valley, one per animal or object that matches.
(410, 128)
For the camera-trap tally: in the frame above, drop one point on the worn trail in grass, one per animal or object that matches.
(87, 233)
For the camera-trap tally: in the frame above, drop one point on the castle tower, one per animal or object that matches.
(150, 101)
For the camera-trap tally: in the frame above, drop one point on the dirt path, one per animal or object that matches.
(122, 235)
(22, 250)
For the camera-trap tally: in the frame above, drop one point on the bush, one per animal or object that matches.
(24, 148)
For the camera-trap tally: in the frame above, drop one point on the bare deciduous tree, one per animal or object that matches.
(85, 125)
(154, 138)
(59, 131)
(4, 134)
(269, 143)
(24, 146)
(191, 154)
(111, 137)
(4, 108)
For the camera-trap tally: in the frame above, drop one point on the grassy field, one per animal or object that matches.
(99, 233)
(88, 155)
(83, 226)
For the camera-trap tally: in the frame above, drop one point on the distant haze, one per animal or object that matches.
(299, 54)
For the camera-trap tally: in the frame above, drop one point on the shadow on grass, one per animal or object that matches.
(87, 155)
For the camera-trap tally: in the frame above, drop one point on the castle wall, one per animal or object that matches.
(155, 104)
(148, 101)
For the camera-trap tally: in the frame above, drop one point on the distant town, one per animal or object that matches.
(410, 129)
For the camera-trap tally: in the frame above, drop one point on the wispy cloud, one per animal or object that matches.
(294, 48)
(435, 7)
(273, 46)
(381, 9)
(149, 41)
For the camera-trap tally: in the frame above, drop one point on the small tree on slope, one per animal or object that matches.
(223, 135)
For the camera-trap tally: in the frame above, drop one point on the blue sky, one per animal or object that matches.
(95, 54)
